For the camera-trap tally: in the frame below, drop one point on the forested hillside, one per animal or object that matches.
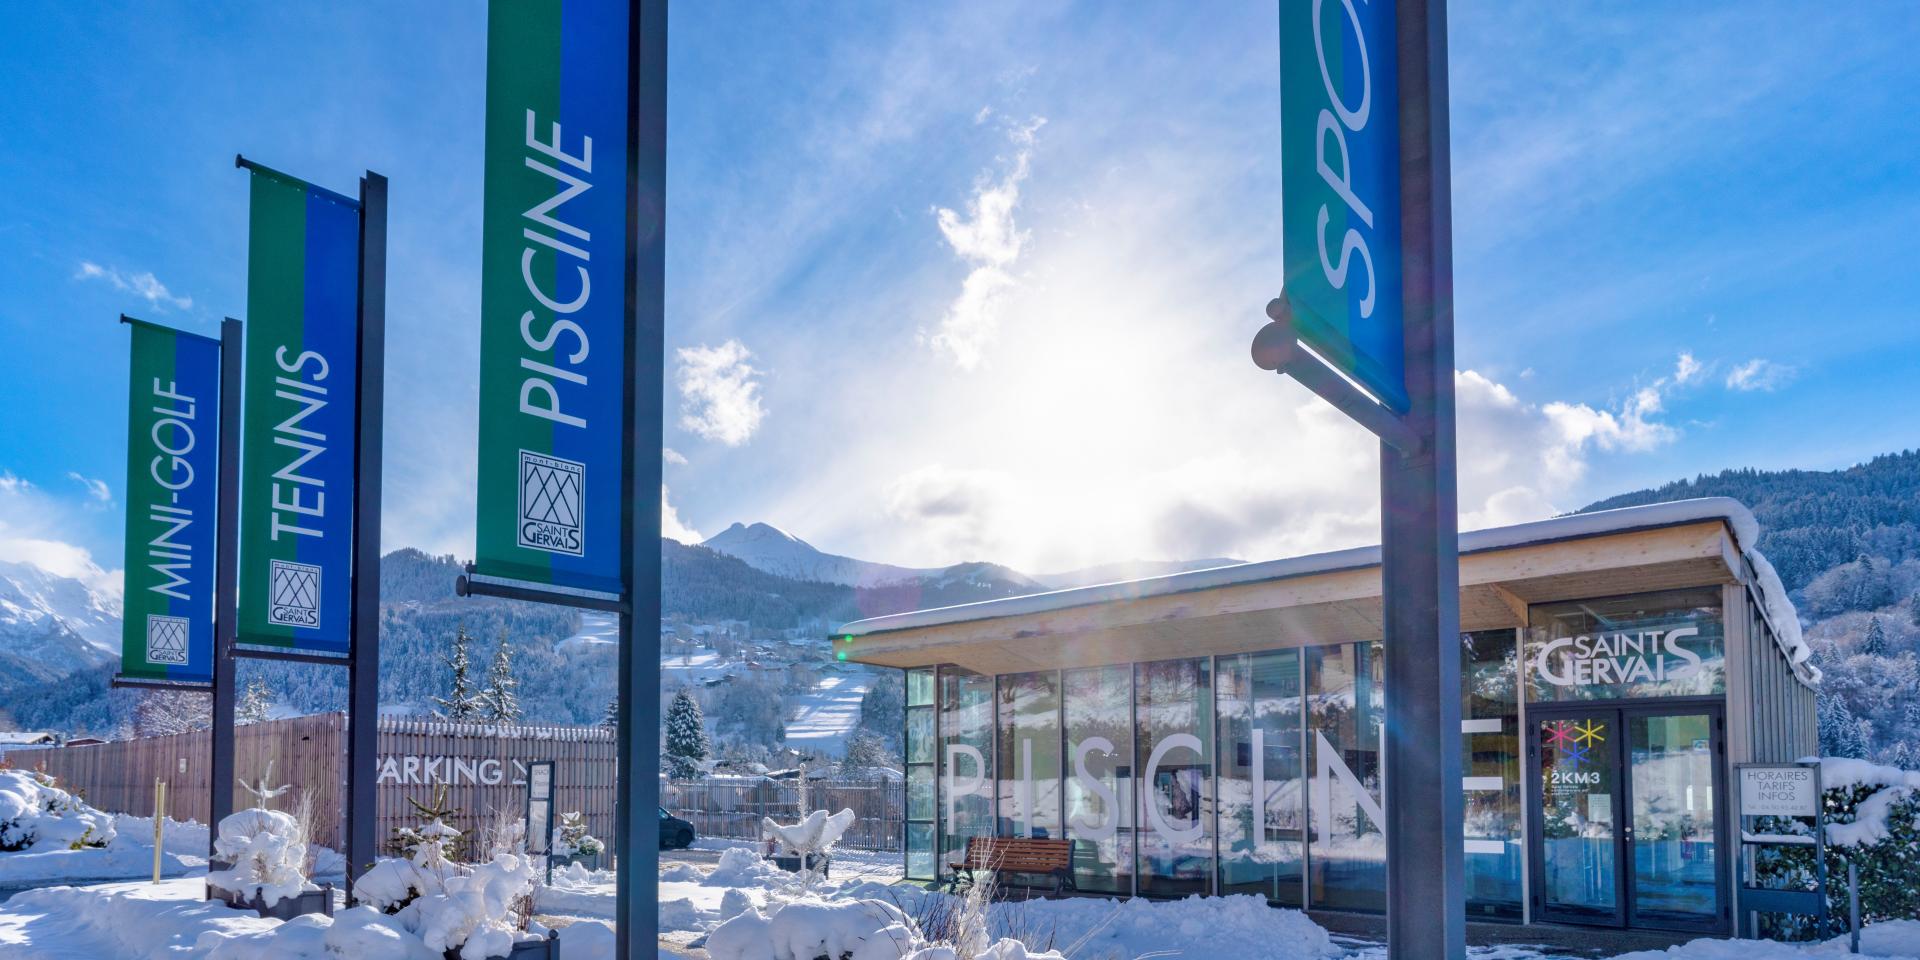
(1847, 545)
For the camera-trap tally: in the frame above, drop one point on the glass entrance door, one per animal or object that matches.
(1627, 823)
(1577, 835)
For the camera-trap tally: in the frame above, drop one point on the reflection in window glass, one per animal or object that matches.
(1099, 786)
(921, 808)
(966, 761)
(1345, 715)
(1174, 735)
(1261, 840)
(1029, 732)
(1648, 645)
(1490, 767)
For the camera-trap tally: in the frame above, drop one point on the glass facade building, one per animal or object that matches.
(1597, 734)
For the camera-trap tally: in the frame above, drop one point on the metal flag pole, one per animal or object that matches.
(226, 607)
(637, 781)
(363, 659)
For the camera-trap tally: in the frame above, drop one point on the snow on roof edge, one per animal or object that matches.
(1775, 605)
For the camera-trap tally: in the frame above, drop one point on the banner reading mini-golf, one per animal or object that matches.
(1340, 186)
(296, 487)
(173, 467)
(553, 293)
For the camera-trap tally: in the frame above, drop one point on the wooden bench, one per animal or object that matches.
(998, 855)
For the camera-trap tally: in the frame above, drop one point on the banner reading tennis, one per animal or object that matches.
(173, 445)
(296, 519)
(553, 293)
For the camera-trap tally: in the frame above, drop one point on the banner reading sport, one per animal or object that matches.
(1340, 210)
(173, 466)
(553, 294)
(296, 486)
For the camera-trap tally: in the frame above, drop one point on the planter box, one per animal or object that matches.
(548, 949)
(795, 864)
(591, 861)
(312, 901)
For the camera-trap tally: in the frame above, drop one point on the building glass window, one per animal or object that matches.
(965, 801)
(1173, 736)
(1490, 768)
(1099, 787)
(1029, 732)
(1668, 644)
(921, 808)
(1262, 817)
(1348, 863)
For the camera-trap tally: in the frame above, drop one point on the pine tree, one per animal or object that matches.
(256, 705)
(687, 743)
(1840, 734)
(460, 704)
(498, 702)
(1876, 641)
(611, 719)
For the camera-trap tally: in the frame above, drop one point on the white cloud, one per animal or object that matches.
(33, 526)
(670, 455)
(719, 397)
(1687, 369)
(143, 284)
(987, 239)
(671, 525)
(1760, 374)
(97, 490)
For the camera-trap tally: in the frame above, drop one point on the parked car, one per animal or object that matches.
(675, 833)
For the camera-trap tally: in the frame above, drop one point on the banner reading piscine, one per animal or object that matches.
(173, 468)
(296, 488)
(1340, 210)
(553, 294)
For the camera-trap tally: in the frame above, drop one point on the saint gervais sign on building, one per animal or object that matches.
(553, 294)
(173, 442)
(297, 483)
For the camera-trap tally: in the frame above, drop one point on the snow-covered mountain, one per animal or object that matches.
(764, 546)
(35, 604)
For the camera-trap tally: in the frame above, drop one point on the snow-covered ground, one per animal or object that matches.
(826, 714)
(596, 629)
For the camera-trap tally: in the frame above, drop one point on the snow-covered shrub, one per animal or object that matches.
(36, 814)
(811, 840)
(1873, 819)
(738, 867)
(267, 853)
(571, 839)
(809, 928)
(480, 910)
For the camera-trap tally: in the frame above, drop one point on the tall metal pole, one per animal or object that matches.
(1420, 568)
(226, 611)
(637, 780)
(363, 663)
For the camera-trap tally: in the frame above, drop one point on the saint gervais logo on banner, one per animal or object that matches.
(296, 506)
(173, 467)
(552, 293)
(1340, 209)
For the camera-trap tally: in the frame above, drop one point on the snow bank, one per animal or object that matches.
(805, 929)
(1891, 938)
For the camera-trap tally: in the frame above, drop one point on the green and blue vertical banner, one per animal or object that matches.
(553, 294)
(173, 470)
(1340, 187)
(299, 416)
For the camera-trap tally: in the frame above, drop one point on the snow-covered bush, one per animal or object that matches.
(811, 840)
(267, 853)
(1873, 819)
(571, 839)
(35, 814)
(480, 910)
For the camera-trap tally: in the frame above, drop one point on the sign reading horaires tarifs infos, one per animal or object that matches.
(553, 294)
(173, 444)
(300, 415)
(1340, 188)
(1785, 790)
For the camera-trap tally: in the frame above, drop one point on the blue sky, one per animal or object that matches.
(975, 281)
